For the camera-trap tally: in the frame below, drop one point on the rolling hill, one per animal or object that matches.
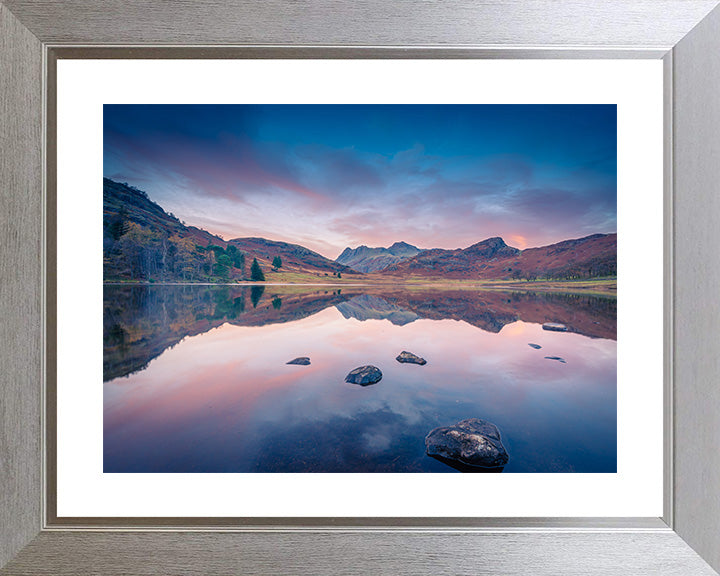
(143, 242)
(295, 258)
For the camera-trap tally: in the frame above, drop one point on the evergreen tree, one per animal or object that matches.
(277, 262)
(238, 258)
(256, 273)
(119, 224)
(256, 293)
(222, 266)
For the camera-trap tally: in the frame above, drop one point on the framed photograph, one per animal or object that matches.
(331, 279)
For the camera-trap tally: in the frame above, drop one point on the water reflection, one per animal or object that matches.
(142, 321)
(197, 380)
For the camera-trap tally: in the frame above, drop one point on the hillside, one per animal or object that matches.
(365, 259)
(142, 242)
(294, 258)
(492, 259)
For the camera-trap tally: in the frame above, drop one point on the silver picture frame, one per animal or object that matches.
(685, 34)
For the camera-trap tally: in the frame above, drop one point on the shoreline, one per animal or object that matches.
(602, 287)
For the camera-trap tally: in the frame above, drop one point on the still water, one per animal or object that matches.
(196, 378)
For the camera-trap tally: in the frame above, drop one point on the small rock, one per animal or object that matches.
(302, 361)
(365, 375)
(555, 327)
(536, 346)
(555, 358)
(410, 358)
(473, 442)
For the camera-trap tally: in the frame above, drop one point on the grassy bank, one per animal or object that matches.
(599, 286)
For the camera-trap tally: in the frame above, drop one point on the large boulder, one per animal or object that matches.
(301, 361)
(554, 327)
(410, 358)
(364, 375)
(473, 442)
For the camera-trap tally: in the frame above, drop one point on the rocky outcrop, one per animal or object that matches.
(536, 346)
(472, 442)
(556, 358)
(300, 361)
(554, 327)
(410, 358)
(364, 375)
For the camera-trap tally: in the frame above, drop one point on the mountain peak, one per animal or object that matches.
(490, 248)
(403, 249)
(400, 244)
(494, 241)
(365, 259)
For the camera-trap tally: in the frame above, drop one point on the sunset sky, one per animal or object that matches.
(331, 176)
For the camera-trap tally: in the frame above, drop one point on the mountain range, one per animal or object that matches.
(143, 242)
(588, 257)
(365, 259)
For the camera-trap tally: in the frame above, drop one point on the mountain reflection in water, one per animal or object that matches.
(196, 380)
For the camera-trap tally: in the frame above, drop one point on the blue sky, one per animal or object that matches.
(330, 176)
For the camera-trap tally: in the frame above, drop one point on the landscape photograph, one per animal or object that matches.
(359, 288)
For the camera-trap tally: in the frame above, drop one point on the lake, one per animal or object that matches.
(196, 378)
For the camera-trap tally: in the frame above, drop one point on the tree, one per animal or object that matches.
(238, 258)
(222, 265)
(277, 262)
(187, 258)
(140, 252)
(256, 272)
(119, 224)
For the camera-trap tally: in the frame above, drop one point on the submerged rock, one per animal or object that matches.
(556, 358)
(472, 442)
(536, 346)
(410, 358)
(302, 361)
(555, 327)
(365, 375)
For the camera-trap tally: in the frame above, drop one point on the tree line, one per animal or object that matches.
(136, 252)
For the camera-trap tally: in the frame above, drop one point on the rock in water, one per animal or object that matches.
(536, 346)
(302, 361)
(556, 358)
(410, 358)
(365, 375)
(472, 442)
(555, 327)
